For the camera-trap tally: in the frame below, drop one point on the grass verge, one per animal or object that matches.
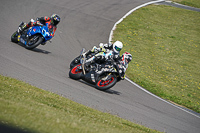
(165, 45)
(192, 3)
(30, 109)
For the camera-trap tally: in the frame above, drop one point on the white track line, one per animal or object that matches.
(111, 32)
(110, 39)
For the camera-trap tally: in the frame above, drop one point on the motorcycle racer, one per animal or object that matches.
(107, 47)
(103, 75)
(123, 63)
(52, 21)
(108, 52)
(105, 52)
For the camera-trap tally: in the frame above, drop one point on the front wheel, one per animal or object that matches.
(75, 73)
(105, 84)
(34, 41)
(75, 62)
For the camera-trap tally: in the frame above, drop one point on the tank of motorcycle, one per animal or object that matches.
(43, 30)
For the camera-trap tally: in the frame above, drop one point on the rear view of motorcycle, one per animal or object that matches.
(103, 76)
(32, 37)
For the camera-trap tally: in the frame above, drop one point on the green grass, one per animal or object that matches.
(165, 44)
(192, 3)
(30, 109)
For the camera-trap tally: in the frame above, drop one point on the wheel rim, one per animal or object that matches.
(105, 83)
(75, 70)
(33, 40)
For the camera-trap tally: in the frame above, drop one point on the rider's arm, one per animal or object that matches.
(116, 57)
(94, 49)
(108, 46)
(42, 20)
(105, 47)
(122, 71)
(54, 30)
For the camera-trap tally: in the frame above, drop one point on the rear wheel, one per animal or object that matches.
(34, 41)
(14, 37)
(103, 84)
(75, 73)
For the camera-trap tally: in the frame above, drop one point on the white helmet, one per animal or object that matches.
(117, 46)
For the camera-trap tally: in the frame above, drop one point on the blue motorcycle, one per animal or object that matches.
(33, 36)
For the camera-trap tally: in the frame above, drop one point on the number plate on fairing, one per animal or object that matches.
(22, 40)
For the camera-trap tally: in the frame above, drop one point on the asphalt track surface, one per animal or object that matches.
(84, 23)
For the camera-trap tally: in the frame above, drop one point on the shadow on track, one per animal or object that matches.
(107, 91)
(40, 51)
(35, 49)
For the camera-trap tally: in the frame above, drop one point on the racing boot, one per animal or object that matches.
(43, 43)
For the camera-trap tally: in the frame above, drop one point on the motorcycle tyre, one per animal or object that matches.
(75, 76)
(103, 88)
(14, 37)
(39, 41)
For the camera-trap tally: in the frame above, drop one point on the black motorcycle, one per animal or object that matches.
(103, 76)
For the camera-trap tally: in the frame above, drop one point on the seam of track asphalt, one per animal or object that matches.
(110, 40)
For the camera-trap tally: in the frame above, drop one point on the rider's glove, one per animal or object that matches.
(38, 23)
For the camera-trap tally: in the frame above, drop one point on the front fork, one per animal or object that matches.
(107, 77)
